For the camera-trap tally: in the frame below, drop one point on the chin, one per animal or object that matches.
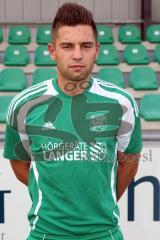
(79, 77)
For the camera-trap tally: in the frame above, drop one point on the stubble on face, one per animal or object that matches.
(75, 50)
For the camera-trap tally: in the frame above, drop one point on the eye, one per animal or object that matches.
(87, 46)
(66, 46)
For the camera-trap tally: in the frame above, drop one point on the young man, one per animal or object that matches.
(75, 140)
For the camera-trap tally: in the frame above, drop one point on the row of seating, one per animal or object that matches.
(22, 35)
(133, 54)
(14, 79)
(140, 78)
(108, 55)
(149, 107)
(128, 33)
(19, 56)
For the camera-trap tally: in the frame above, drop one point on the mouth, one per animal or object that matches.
(76, 66)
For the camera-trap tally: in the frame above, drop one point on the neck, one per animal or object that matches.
(71, 87)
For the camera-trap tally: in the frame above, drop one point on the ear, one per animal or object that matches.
(97, 49)
(51, 50)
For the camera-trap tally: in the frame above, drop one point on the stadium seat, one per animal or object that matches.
(136, 54)
(153, 33)
(16, 56)
(42, 74)
(105, 34)
(42, 57)
(149, 107)
(112, 75)
(1, 35)
(143, 78)
(19, 35)
(129, 34)
(12, 79)
(4, 104)
(107, 55)
(43, 34)
(157, 53)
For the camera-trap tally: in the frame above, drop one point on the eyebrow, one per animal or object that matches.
(62, 43)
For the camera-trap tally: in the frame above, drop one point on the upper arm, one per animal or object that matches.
(130, 158)
(21, 170)
(129, 134)
(19, 165)
(15, 146)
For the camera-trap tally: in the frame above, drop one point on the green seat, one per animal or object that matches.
(153, 33)
(157, 53)
(16, 56)
(107, 55)
(149, 107)
(43, 34)
(112, 75)
(1, 35)
(143, 78)
(42, 57)
(105, 34)
(42, 74)
(12, 79)
(136, 54)
(129, 34)
(19, 35)
(4, 104)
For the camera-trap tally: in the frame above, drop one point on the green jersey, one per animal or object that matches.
(72, 143)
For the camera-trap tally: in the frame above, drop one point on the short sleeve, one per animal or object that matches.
(15, 147)
(129, 135)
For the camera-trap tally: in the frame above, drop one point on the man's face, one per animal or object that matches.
(75, 50)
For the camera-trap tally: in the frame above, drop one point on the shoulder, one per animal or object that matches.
(116, 92)
(26, 95)
(112, 88)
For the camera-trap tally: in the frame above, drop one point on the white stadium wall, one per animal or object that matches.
(104, 11)
(44, 10)
(140, 205)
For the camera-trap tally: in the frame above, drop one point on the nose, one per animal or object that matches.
(77, 53)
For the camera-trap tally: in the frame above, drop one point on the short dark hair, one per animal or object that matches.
(72, 14)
